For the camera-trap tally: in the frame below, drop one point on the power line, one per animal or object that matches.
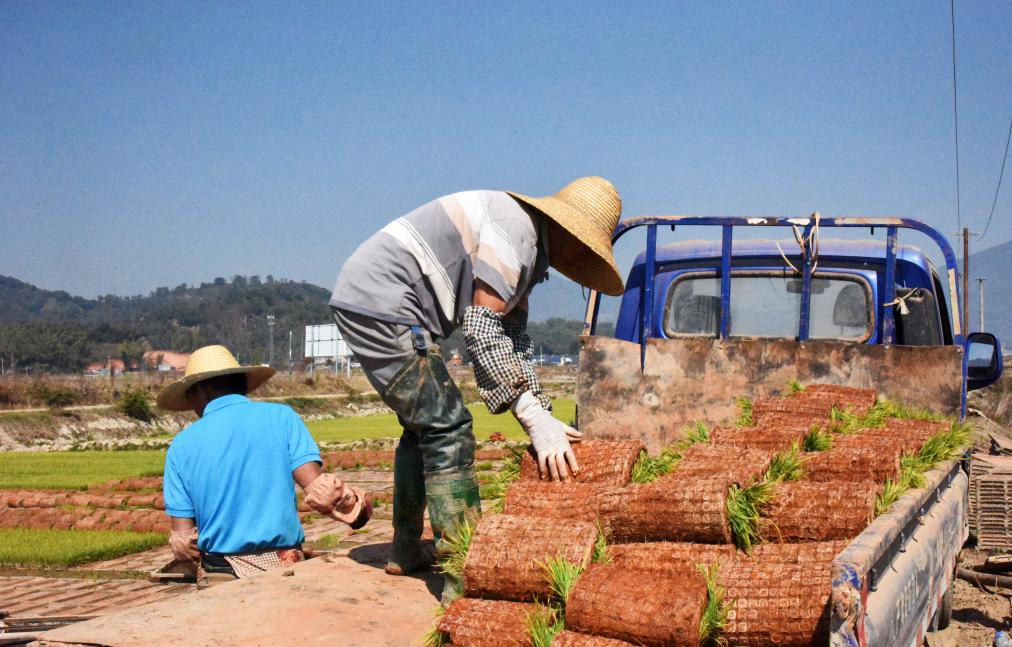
(1000, 176)
(955, 109)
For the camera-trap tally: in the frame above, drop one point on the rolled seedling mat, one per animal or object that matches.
(849, 398)
(808, 552)
(604, 462)
(553, 500)
(740, 465)
(622, 602)
(473, 622)
(573, 639)
(853, 459)
(776, 604)
(650, 554)
(669, 509)
(807, 511)
(793, 405)
(507, 555)
(768, 436)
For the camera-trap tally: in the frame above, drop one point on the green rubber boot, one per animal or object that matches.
(408, 556)
(454, 510)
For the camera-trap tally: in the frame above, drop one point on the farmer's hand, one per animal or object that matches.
(184, 544)
(328, 493)
(550, 436)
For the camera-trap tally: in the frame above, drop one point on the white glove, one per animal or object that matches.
(550, 436)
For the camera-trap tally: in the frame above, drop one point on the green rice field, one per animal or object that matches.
(385, 425)
(35, 547)
(76, 470)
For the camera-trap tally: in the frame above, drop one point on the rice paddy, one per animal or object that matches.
(49, 548)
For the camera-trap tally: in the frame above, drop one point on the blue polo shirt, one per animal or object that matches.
(232, 472)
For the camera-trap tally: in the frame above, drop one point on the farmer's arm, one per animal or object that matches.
(183, 539)
(502, 351)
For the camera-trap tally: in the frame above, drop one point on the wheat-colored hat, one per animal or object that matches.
(205, 363)
(589, 209)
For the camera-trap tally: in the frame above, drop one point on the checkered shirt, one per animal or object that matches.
(501, 352)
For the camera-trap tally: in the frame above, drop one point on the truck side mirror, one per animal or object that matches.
(983, 360)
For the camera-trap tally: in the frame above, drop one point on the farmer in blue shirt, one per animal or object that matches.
(230, 476)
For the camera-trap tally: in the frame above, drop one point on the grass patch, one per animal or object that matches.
(698, 434)
(456, 544)
(744, 512)
(794, 386)
(785, 466)
(38, 547)
(745, 418)
(648, 469)
(816, 440)
(385, 425)
(715, 614)
(330, 540)
(543, 624)
(75, 470)
(940, 447)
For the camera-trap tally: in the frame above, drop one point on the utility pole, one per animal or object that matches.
(966, 279)
(980, 294)
(270, 343)
(289, 352)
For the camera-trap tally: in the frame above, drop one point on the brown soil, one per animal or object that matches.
(553, 499)
(602, 462)
(624, 603)
(653, 554)
(573, 639)
(507, 555)
(776, 604)
(806, 511)
(855, 459)
(740, 465)
(669, 509)
(487, 623)
(770, 436)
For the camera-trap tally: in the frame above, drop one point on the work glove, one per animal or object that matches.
(331, 496)
(550, 436)
(184, 544)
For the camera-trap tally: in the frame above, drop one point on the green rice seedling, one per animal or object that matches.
(648, 469)
(698, 434)
(543, 624)
(455, 545)
(816, 440)
(561, 575)
(435, 637)
(496, 506)
(794, 386)
(892, 490)
(744, 511)
(601, 554)
(717, 608)
(785, 466)
(746, 419)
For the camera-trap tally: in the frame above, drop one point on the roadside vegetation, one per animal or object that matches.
(36, 547)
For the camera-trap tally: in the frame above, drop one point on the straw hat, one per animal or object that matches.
(588, 208)
(205, 363)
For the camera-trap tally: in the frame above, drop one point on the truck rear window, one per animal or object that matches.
(769, 305)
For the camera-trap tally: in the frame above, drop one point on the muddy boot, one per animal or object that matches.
(408, 556)
(454, 510)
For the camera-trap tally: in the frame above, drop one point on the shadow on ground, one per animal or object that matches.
(376, 555)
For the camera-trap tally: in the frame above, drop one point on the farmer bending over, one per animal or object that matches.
(469, 259)
(230, 475)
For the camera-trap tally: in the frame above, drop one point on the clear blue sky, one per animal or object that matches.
(149, 144)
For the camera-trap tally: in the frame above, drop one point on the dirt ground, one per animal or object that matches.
(976, 613)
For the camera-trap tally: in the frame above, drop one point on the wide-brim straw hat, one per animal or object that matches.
(205, 363)
(589, 209)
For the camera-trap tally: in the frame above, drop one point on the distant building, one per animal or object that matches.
(166, 360)
(102, 368)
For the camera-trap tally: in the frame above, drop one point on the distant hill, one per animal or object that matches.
(994, 265)
(54, 330)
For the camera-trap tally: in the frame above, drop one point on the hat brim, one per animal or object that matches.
(597, 269)
(173, 397)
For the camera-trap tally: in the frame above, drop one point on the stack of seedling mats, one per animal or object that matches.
(726, 537)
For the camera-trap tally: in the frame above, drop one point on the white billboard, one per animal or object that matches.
(324, 342)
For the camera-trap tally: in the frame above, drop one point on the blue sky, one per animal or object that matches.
(149, 144)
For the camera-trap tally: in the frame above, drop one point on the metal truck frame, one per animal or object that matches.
(890, 585)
